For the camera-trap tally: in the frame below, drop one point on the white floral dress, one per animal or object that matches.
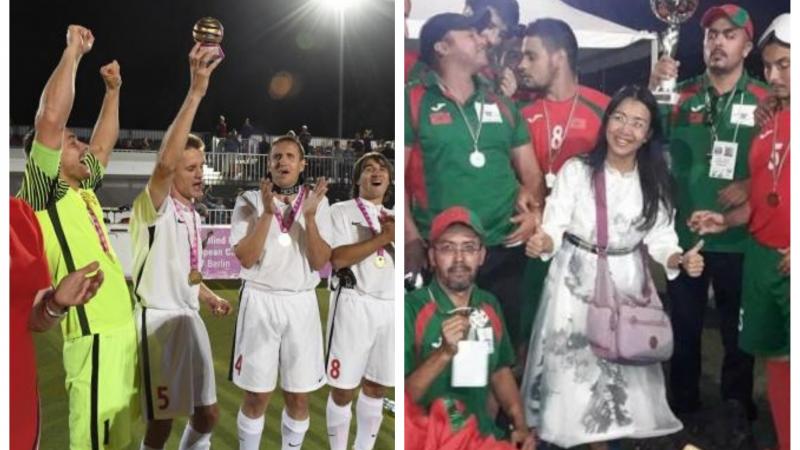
(571, 396)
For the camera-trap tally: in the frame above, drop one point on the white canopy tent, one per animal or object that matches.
(602, 43)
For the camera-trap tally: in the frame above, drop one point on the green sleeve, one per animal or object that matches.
(520, 134)
(143, 208)
(505, 352)
(40, 177)
(410, 134)
(408, 341)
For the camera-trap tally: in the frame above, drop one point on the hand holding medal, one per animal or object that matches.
(387, 230)
(219, 306)
(387, 227)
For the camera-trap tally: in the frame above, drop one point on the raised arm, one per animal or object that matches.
(55, 103)
(248, 250)
(202, 62)
(319, 252)
(106, 129)
(419, 381)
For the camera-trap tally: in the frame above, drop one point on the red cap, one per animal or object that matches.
(736, 14)
(453, 215)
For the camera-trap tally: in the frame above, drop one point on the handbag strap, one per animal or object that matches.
(601, 212)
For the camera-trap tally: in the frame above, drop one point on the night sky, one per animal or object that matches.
(151, 40)
(262, 38)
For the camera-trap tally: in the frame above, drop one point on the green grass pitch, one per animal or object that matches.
(53, 396)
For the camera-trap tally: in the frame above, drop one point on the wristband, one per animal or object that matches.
(50, 297)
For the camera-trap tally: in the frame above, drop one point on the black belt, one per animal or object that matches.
(583, 245)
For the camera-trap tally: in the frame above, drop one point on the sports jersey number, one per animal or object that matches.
(335, 364)
(238, 365)
(163, 398)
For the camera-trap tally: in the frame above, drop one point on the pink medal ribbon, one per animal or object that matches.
(98, 228)
(195, 277)
(286, 222)
(380, 260)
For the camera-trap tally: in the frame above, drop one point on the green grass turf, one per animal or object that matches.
(53, 396)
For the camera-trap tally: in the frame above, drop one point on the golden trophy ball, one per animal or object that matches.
(208, 31)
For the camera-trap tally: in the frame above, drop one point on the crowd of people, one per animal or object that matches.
(535, 209)
(155, 350)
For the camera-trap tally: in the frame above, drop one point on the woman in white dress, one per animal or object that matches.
(571, 396)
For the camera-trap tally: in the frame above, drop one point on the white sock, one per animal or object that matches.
(144, 447)
(369, 415)
(194, 440)
(338, 420)
(249, 431)
(292, 431)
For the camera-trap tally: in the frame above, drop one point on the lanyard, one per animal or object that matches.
(286, 222)
(475, 133)
(193, 243)
(713, 115)
(372, 228)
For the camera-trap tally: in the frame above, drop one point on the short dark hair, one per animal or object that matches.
(507, 10)
(383, 161)
(556, 35)
(293, 139)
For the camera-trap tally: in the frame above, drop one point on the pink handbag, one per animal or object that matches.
(623, 329)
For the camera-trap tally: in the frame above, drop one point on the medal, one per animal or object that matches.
(773, 199)
(478, 318)
(550, 180)
(477, 159)
(195, 277)
(285, 222)
(380, 261)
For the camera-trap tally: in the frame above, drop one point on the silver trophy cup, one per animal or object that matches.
(674, 13)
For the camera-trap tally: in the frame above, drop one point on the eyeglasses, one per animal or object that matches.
(449, 249)
(620, 119)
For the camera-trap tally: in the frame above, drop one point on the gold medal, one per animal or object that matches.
(380, 261)
(195, 277)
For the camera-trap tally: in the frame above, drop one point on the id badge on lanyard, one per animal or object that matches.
(723, 160)
(723, 153)
(470, 365)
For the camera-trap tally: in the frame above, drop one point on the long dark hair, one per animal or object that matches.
(654, 176)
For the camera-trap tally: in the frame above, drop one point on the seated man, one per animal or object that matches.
(441, 320)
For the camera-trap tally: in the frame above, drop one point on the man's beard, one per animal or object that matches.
(724, 68)
(459, 285)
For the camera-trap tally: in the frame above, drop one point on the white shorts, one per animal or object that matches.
(360, 340)
(176, 363)
(277, 333)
